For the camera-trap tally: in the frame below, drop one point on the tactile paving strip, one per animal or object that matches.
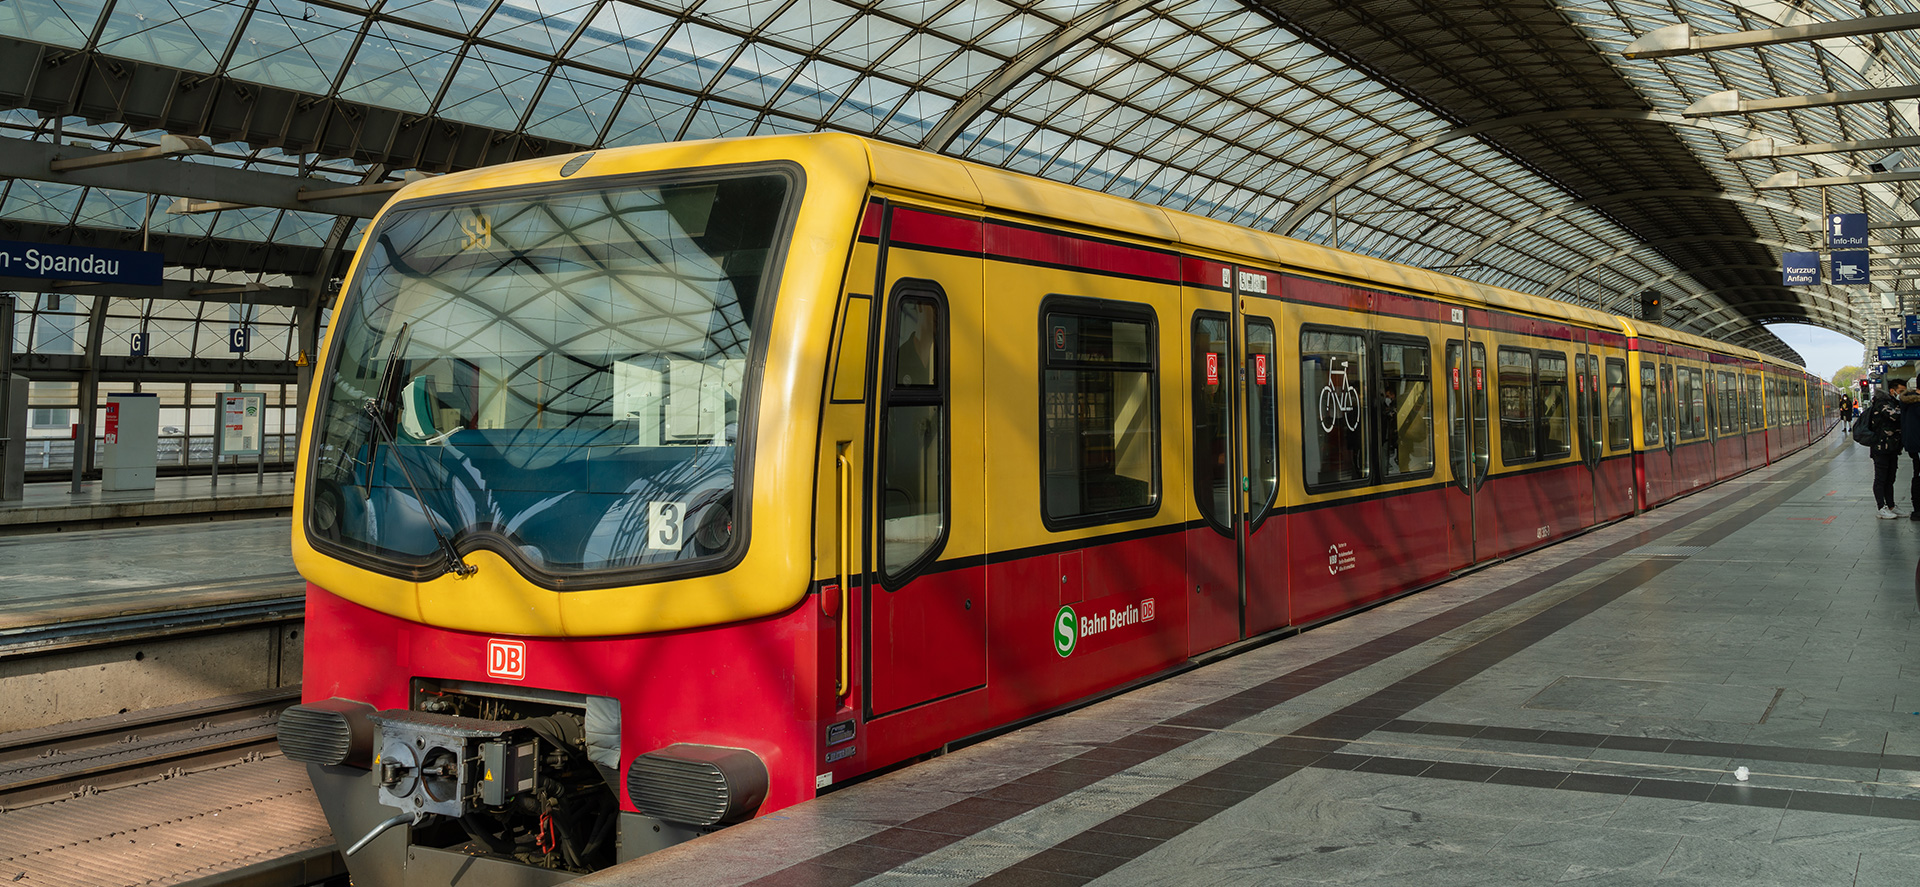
(168, 831)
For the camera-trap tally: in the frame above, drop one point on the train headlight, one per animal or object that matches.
(331, 731)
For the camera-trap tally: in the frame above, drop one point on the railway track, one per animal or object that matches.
(61, 761)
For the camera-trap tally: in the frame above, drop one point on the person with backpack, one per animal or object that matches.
(1884, 442)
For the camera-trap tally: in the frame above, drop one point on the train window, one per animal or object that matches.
(1212, 422)
(1728, 404)
(1405, 408)
(591, 343)
(1516, 405)
(1556, 439)
(1333, 386)
(913, 433)
(1100, 436)
(1466, 390)
(1690, 396)
(1669, 419)
(1694, 403)
(1263, 417)
(1619, 415)
(1649, 406)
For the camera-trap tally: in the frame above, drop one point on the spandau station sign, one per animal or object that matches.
(50, 261)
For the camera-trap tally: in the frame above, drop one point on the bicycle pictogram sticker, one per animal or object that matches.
(1339, 401)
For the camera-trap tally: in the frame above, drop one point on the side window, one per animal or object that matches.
(1406, 408)
(1697, 396)
(1263, 416)
(1556, 438)
(1649, 406)
(1683, 396)
(1516, 405)
(1668, 418)
(1619, 417)
(913, 432)
(1333, 409)
(1100, 437)
(1212, 377)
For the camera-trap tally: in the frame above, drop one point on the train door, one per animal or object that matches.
(1469, 446)
(1264, 549)
(1587, 412)
(1215, 564)
(926, 627)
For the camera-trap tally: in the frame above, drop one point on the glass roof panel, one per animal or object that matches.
(399, 67)
(294, 45)
(575, 106)
(619, 37)
(650, 114)
(692, 56)
(537, 26)
(492, 87)
(59, 22)
(458, 16)
(190, 34)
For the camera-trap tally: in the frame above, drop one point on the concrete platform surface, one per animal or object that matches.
(1576, 715)
(52, 578)
(54, 507)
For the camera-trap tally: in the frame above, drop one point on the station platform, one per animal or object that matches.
(1720, 691)
(53, 579)
(54, 507)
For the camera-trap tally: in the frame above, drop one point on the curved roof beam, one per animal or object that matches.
(1780, 206)
(1312, 204)
(1733, 320)
(1623, 252)
(981, 96)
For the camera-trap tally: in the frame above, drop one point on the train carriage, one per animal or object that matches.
(652, 489)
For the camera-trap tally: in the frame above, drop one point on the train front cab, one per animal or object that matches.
(597, 663)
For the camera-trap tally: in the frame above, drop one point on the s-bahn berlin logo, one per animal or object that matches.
(1069, 627)
(1066, 632)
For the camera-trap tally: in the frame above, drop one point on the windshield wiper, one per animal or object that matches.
(380, 409)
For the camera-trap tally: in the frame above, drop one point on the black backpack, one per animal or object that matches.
(1863, 431)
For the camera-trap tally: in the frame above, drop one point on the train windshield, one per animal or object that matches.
(563, 378)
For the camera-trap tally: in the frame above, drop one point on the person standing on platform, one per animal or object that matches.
(1883, 419)
(1910, 441)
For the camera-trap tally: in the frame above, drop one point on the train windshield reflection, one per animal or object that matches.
(560, 377)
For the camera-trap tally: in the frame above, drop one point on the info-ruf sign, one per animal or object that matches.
(240, 415)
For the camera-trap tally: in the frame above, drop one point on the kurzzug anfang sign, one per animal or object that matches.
(50, 261)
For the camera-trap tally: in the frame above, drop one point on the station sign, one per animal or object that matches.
(1851, 267)
(1913, 324)
(1899, 355)
(1846, 230)
(1896, 335)
(137, 345)
(52, 261)
(1800, 269)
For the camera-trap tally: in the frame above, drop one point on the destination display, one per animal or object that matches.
(48, 261)
(1903, 354)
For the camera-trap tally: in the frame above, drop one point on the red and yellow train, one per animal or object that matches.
(648, 490)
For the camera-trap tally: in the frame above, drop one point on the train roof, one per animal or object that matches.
(952, 180)
(908, 169)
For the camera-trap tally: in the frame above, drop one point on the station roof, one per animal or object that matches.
(1511, 143)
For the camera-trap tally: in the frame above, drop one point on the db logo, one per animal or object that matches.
(506, 659)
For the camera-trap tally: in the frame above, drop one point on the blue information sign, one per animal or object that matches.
(1850, 267)
(48, 261)
(1899, 354)
(137, 345)
(237, 340)
(1800, 269)
(1847, 229)
(1896, 335)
